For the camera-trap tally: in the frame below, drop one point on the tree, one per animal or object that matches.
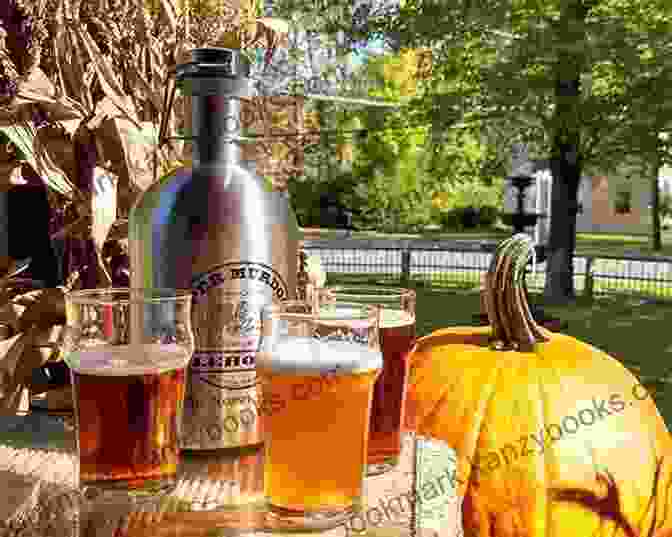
(377, 160)
(542, 70)
(530, 64)
(640, 132)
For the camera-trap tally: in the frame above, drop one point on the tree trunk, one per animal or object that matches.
(566, 158)
(566, 170)
(656, 240)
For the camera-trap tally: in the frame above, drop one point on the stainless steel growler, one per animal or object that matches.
(216, 228)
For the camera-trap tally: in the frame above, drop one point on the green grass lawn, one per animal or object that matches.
(586, 243)
(635, 331)
(631, 330)
(616, 244)
(452, 279)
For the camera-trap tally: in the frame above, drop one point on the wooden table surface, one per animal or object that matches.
(396, 502)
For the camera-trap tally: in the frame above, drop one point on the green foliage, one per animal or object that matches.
(496, 71)
(305, 190)
(458, 156)
(469, 204)
(393, 188)
(497, 63)
(476, 194)
(397, 167)
(665, 206)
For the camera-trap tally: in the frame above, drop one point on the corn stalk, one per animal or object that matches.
(81, 98)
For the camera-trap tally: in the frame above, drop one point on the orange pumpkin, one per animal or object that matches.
(554, 438)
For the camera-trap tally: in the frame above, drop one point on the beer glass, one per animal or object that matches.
(397, 337)
(127, 350)
(317, 373)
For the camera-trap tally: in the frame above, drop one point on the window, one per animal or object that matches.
(622, 203)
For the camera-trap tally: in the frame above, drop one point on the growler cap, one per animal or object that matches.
(215, 62)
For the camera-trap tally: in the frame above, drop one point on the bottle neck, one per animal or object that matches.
(216, 127)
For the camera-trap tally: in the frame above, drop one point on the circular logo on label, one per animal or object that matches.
(228, 302)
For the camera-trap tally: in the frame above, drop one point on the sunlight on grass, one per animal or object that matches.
(469, 279)
(607, 237)
(617, 325)
(633, 330)
(601, 286)
(586, 243)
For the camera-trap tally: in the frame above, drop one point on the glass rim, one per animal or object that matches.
(140, 295)
(356, 311)
(368, 291)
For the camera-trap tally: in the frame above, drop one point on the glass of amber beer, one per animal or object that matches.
(317, 371)
(397, 337)
(127, 350)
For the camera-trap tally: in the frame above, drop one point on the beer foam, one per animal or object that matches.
(310, 356)
(394, 318)
(122, 360)
(343, 313)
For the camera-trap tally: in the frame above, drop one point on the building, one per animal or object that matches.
(617, 203)
(620, 202)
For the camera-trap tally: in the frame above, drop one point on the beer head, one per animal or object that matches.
(297, 355)
(390, 318)
(125, 360)
(339, 338)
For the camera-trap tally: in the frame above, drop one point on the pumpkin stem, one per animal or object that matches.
(506, 296)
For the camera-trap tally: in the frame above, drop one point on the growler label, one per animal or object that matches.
(235, 273)
(221, 397)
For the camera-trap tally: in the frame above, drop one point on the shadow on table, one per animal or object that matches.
(219, 494)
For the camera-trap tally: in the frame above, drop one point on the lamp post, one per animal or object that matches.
(519, 220)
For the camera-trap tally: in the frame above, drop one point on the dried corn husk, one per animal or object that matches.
(114, 57)
(36, 319)
(85, 116)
